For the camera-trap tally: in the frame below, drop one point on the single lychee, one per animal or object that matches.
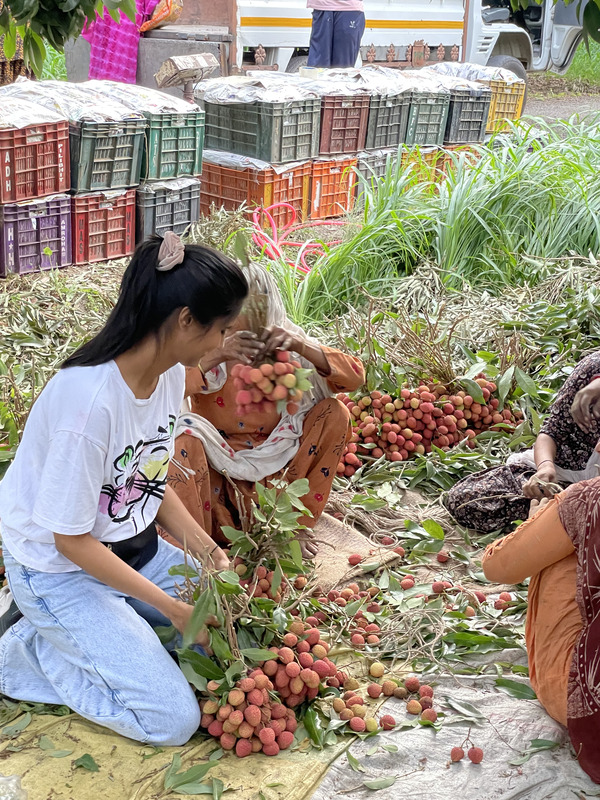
(387, 722)
(271, 749)
(374, 690)
(457, 754)
(371, 724)
(426, 702)
(437, 587)
(442, 556)
(412, 684)
(414, 707)
(425, 691)
(475, 755)
(354, 559)
(400, 692)
(357, 724)
(338, 704)
(506, 596)
(429, 714)
(407, 583)
(388, 688)
(285, 740)
(377, 670)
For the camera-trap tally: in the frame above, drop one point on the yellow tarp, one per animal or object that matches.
(124, 773)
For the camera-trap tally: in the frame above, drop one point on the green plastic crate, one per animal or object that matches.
(273, 132)
(388, 121)
(427, 118)
(174, 144)
(106, 155)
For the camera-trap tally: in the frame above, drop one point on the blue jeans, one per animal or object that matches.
(85, 645)
(335, 38)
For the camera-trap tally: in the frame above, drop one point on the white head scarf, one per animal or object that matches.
(275, 453)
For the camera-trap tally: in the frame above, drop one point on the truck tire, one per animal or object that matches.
(296, 63)
(513, 65)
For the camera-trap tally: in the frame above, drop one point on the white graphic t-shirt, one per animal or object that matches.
(93, 459)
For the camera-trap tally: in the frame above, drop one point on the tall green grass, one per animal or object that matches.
(535, 192)
(585, 65)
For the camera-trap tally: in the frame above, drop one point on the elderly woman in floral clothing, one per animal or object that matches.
(218, 454)
(565, 452)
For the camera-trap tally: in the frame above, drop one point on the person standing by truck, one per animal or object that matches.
(337, 29)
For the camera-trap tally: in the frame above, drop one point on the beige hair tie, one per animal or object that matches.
(171, 253)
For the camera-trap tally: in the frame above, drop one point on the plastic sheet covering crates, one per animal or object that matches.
(34, 161)
(344, 124)
(103, 225)
(388, 121)
(274, 132)
(333, 187)
(35, 235)
(427, 118)
(106, 155)
(255, 184)
(166, 206)
(174, 145)
(506, 103)
(467, 115)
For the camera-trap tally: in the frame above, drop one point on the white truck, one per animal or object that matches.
(413, 33)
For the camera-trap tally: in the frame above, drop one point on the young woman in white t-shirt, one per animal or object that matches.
(79, 503)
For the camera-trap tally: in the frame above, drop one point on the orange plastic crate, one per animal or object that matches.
(103, 225)
(471, 155)
(35, 161)
(230, 188)
(333, 187)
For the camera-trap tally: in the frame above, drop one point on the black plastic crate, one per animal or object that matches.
(273, 132)
(106, 155)
(388, 121)
(167, 206)
(427, 118)
(467, 115)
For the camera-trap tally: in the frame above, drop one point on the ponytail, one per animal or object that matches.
(209, 283)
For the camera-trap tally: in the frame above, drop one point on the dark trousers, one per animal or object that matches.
(335, 38)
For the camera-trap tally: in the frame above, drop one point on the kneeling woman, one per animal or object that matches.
(212, 440)
(559, 548)
(79, 504)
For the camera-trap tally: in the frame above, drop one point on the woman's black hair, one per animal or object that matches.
(209, 283)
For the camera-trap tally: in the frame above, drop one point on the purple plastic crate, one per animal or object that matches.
(35, 236)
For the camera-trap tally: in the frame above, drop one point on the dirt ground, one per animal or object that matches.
(563, 106)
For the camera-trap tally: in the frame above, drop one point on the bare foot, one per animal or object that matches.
(536, 505)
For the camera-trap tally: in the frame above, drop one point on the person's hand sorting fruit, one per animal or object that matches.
(586, 406)
(242, 347)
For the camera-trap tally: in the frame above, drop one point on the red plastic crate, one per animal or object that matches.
(333, 187)
(344, 124)
(35, 235)
(34, 161)
(230, 188)
(103, 226)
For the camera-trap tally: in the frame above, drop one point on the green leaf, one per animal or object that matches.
(202, 609)
(298, 488)
(220, 647)
(191, 775)
(202, 665)
(354, 762)
(516, 689)
(229, 577)
(166, 633)
(18, 727)
(183, 571)
(526, 383)
(86, 762)
(591, 21)
(60, 753)
(468, 711)
(45, 743)
(296, 552)
(10, 42)
(197, 681)
(433, 529)
(235, 671)
(173, 769)
(254, 654)
(380, 783)
(312, 723)
(504, 384)
(474, 390)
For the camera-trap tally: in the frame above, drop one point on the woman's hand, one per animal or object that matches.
(242, 347)
(536, 505)
(180, 616)
(539, 485)
(586, 406)
(276, 338)
(217, 560)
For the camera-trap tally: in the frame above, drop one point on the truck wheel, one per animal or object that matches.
(296, 63)
(513, 65)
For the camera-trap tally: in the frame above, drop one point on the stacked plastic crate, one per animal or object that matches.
(168, 199)
(106, 143)
(260, 139)
(35, 212)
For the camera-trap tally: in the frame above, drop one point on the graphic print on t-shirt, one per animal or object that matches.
(140, 473)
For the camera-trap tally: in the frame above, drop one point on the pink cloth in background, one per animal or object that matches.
(114, 45)
(336, 5)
